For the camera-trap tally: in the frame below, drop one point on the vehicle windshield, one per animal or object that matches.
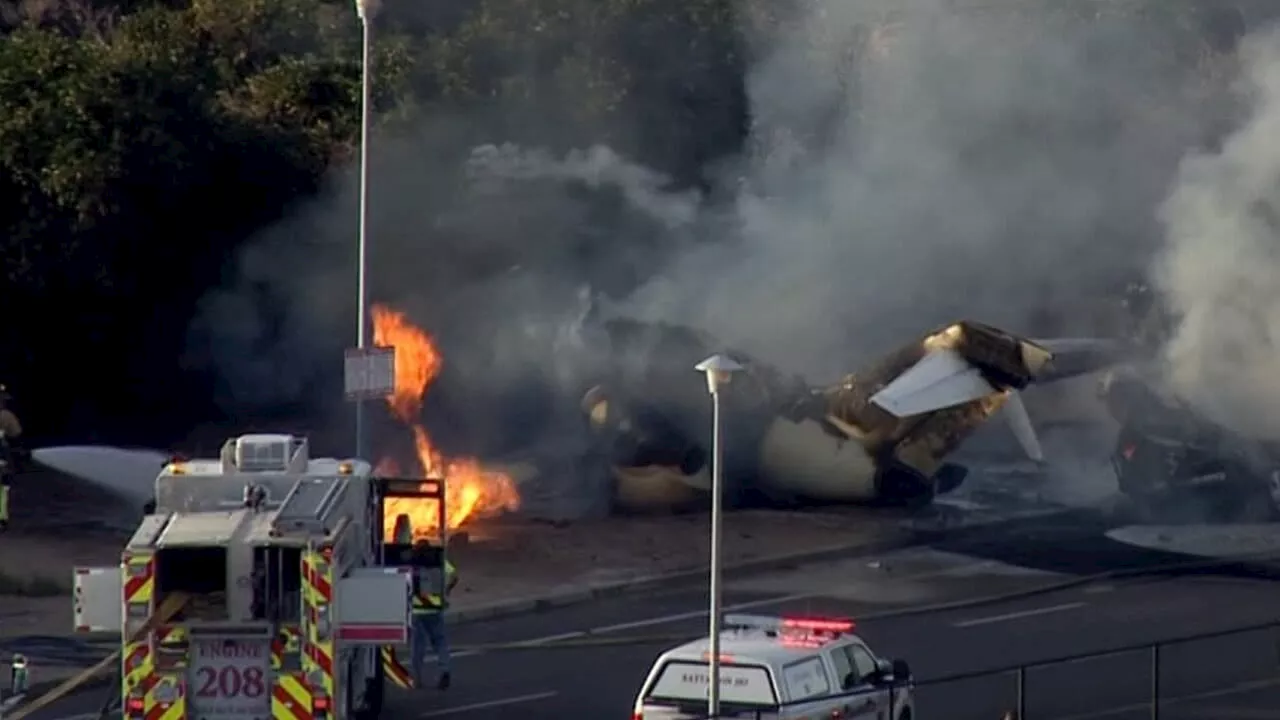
(684, 681)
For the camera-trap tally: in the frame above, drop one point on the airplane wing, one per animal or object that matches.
(1015, 413)
(1079, 356)
(954, 368)
(941, 379)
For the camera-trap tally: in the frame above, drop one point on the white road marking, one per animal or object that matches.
(1235, 713)
(1018, 615)
(666, 619)
(693, 614)
(490, 704)
(561, 636)
(1098, 589)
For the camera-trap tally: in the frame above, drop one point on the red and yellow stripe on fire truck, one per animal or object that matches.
(395, 671)
(289, 697)
(139, 583)
(317, 593)
(151, 686)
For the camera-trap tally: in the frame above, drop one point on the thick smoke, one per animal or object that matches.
(952, 163)
(908, 164)
(1221, 268)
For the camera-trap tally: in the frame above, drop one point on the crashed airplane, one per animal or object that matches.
(882, 435)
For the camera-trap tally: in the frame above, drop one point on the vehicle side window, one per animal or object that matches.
(863, 662)
(840, 660)
(806, 679)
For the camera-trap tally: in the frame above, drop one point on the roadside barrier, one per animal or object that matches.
(1210, 666)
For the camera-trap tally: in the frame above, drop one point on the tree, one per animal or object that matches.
(124, 150)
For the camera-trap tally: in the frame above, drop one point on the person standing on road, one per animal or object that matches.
(428, 620)
(10, 441)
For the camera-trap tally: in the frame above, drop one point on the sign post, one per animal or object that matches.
(369, 373)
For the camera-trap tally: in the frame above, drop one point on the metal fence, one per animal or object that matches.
(1231, 674)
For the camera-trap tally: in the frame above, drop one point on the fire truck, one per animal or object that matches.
(260, 584)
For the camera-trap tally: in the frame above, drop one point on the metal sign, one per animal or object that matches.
(369, 373)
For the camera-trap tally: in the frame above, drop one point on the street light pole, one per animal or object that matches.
(365, 9)
(719, 370)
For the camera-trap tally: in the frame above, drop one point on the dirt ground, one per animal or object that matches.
(514, 559)
(59, 524)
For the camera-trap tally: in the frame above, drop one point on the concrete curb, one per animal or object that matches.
(896, 540)
(1245, 563)
(547, 601)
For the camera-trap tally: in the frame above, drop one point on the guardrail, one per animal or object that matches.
(1178, 678)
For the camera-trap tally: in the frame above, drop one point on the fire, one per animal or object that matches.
(471, 490)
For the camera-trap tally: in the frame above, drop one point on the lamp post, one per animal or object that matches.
(719, 369)
(365, 9)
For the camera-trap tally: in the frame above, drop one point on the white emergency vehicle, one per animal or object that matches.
(779, 669)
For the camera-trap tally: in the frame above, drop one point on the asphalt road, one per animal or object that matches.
(601, 682)
(1227, 678)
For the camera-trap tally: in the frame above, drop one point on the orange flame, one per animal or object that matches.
(471, 491)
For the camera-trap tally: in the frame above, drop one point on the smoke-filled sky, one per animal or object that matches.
(903, 169)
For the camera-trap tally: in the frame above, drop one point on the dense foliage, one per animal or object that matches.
(142, 140)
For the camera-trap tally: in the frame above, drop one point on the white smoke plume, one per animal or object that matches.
(909, 163)
(951, 163)
(906, 169)
(1220, 270)
(598, 166)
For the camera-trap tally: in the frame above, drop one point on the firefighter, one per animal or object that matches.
(10, 441)
(428, 621)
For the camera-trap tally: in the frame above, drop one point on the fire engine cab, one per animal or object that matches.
(256, 588)
(779, 669)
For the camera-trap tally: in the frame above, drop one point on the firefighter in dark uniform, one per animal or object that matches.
(10, 444)
(428, 621)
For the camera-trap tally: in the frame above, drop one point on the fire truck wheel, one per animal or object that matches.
(374, 690)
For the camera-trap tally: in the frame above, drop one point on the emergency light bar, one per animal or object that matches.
(778, 625)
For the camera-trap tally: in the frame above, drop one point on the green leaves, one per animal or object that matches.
(56, 138)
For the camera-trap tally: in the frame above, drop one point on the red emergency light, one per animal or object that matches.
(818, 625)
(807, 643)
